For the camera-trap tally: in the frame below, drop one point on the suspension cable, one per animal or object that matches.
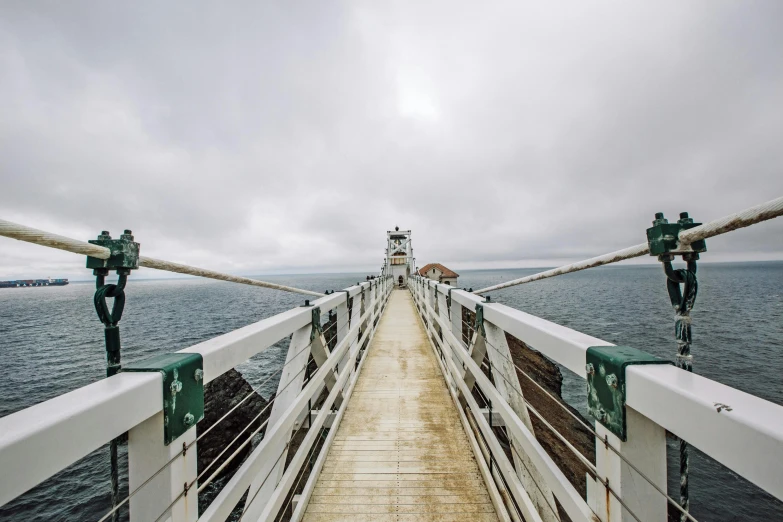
(47, 239)
(750, 216)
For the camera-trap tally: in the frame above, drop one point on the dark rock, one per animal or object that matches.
(220, 396)
(547, 374)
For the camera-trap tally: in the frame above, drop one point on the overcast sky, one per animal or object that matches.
(264, 137)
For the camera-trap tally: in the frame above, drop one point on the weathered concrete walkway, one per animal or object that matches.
(400, 453)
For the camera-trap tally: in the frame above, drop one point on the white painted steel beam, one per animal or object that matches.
(41, 440)
(561, 344)
(226, 351)
(569, 498)
(332, 422)
(160, 498)
(684, 403)
(646, 448)
(507, 384)
(739, 430)
(264, 454)
(288, 389)
(270, 508)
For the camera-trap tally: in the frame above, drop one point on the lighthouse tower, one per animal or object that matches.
(399, 255)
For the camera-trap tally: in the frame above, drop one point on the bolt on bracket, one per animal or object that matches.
(478, 323)
(316, 329)
(124, 252)
(183, 390)
(663, 237)
(606, 383)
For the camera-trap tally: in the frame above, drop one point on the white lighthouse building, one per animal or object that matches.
(399, 255)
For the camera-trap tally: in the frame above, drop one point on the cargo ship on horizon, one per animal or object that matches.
(19, 283)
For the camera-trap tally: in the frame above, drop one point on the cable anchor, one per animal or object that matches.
(664, 242)
(124, 257)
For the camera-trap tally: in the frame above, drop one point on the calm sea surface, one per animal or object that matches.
(51, 342)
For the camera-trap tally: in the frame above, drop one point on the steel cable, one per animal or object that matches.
(202, 435)
(485, 444)
(190, 485)
(47, 239)
(285, 448)
(750, 216)
(324, 429)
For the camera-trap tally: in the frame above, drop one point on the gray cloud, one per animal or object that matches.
(254, 138)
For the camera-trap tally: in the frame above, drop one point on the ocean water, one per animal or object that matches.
(51, 342)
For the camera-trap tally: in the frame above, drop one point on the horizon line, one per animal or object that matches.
(542, 268)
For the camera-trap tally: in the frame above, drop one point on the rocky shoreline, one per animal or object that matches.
(220, 396)
(548, 375)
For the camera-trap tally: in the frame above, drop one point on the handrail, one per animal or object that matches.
(48, 239)
(680, 401)
(569, 498)
(750, 216)
(31, 440)
(224, 503)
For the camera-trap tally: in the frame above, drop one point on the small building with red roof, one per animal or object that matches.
(439, 273)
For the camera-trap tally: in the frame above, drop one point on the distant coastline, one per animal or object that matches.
(31, 283)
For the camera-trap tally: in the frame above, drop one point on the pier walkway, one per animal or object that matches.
(385, 410)
(400, 453)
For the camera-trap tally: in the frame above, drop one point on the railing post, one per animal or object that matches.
(356, 313)
(430, 301)
(372, 307)
(646, 448)
(146, 455)
(342, 329)
(443, 312)
(291, 381)
(456, 320)
(443, 306)
(363, 306)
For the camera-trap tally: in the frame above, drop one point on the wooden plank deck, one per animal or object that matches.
(400, 453)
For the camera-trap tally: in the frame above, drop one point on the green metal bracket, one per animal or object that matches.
(448, 297)
(606, 383)
(663, 237)
(478, 324)
(124, 252)
(183, 390)
(348, 304)
(317, 328)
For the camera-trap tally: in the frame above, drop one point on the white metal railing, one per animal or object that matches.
(628, 477)
(44, 439)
